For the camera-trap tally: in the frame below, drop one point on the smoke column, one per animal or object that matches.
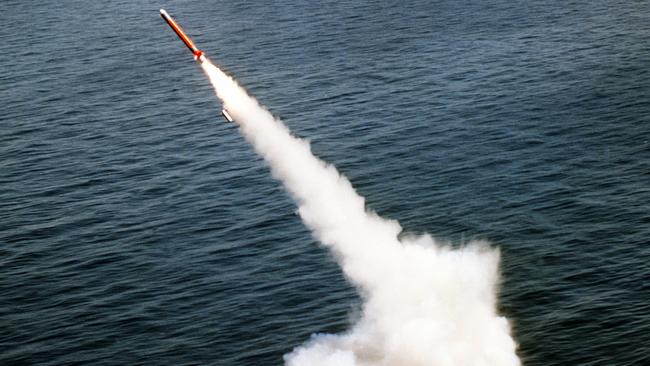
(424, 304)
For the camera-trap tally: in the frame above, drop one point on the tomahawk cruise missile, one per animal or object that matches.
(198, 54)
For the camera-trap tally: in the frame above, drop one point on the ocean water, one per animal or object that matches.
(136, 227)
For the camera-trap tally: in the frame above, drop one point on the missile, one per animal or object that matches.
(198, 54)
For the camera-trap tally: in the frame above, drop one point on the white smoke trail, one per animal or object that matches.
(423, 303)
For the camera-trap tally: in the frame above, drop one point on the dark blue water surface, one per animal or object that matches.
(138, 228)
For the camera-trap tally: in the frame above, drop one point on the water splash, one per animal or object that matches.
(423, 303)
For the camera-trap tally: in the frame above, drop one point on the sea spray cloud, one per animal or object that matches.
(423, 303)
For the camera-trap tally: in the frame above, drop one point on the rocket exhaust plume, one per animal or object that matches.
(424, 304)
